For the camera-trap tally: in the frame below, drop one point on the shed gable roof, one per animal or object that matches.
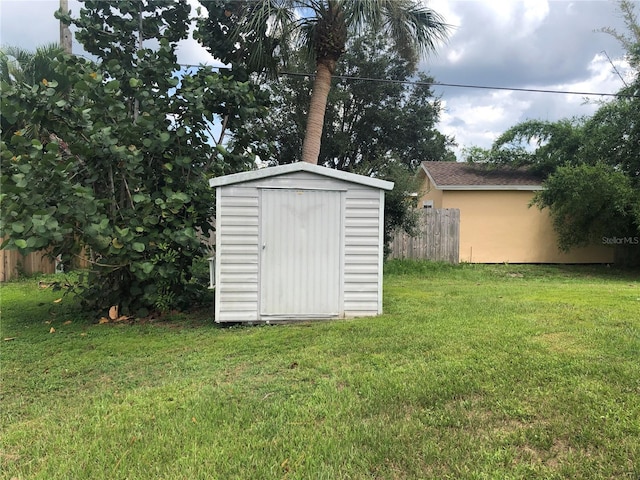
(299, 167)
(465, 176)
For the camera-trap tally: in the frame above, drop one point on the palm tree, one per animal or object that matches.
(18, 65)
(323, 26)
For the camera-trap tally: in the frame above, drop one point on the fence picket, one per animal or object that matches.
(438, 238)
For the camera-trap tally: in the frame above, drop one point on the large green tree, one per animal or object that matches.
(595, 196)
(264, 32)
(592, 204)
(118, 169)
(367, 123)
(539, 145)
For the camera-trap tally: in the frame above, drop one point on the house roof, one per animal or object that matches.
(465, 176)
(299, 167)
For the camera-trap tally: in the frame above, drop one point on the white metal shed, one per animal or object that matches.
(297, 242)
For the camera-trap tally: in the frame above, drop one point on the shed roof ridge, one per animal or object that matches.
(299, 167)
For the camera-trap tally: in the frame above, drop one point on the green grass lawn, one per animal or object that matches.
(474, 372)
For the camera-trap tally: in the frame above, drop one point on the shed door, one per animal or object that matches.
(301, 232)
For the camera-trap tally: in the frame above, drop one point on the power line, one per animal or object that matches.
(452, 85)
(459, 85)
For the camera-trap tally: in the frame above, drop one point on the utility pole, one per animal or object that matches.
(136, 103)
(65, 33)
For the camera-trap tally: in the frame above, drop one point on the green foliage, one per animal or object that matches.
(630, 39)
(612, 134)
(269, 33)
(587, 203)
(542, 146)
(118, 171)
(367, 123)
(400, 204)
(19, 66)
(595, 192)
(262, 34)
(216, 32)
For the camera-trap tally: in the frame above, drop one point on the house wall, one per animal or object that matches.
(238, 237)
(429, 192)
(498, 226)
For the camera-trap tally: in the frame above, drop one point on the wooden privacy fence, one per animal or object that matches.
(438, 237)
(12, 264)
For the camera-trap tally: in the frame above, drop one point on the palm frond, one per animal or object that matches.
(12, 62)
(19, 65)
(266, 27)
(279, 26)
(414, 29)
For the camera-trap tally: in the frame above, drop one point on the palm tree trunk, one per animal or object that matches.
(317, 107)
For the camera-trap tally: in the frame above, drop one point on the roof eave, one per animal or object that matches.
(428, 174)
(299, 167)
(492, 187)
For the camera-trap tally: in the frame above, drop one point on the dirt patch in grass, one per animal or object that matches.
(7, 458)
(470, 407)
(552, 458)
(561, 342)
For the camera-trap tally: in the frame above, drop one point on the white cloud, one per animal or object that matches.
(519, 18)
(479, 120)
(535, 13)
(189, 51)
(455, 55)
(605, 76)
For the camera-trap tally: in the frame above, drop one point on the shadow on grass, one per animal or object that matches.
(47, 298)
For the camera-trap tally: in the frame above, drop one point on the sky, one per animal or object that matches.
(532, 44)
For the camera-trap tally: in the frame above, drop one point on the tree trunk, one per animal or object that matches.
(65, 33)
(317, 107)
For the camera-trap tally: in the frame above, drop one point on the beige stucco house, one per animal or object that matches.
(496, 223)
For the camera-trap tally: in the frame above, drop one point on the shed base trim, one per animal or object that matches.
(301, 316)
